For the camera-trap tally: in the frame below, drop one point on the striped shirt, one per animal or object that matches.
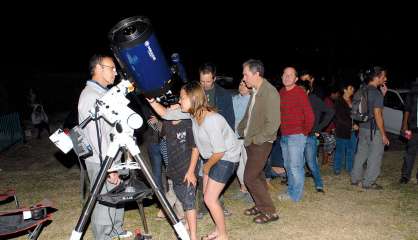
(296, 112)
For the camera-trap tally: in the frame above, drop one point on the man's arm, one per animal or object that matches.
(224, 103)
(378, 115)
(309, 114)
(408, 110)
(326, 118)
(405, 121)
(243, 124)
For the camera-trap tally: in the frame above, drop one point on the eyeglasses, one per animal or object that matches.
(113, 68)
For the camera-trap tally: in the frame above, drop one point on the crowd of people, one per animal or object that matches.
(210, 136)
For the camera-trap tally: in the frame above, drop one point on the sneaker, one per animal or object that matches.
(248, 198)
(403, 180)
(200, 215)
(239, 195)
(355, 184)
(284, 197)
(123, 234)
(283, 181)
(374, 186)
(227, 213)
(320, 190)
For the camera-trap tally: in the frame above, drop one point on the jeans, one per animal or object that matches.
(222, 171)
(311, 150)
(293, 147)
(156, 161)
(344, 154)
(186, 193)
(354, 142)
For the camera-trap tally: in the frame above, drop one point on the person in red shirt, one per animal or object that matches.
(297, 120)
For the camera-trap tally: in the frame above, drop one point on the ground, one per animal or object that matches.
(37, 170)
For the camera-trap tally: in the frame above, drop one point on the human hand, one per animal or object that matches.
(150, 100)
(407, 134)
(385, 140)
(356, 127)
(190, 178)
(113, 178)
(153, 119)
(383, 89)
(206, 168)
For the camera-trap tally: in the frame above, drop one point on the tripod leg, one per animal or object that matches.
(142, 214)
(82, 182)
(178, 225)
(91, 201)
(35, 234)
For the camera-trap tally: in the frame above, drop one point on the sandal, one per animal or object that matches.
(263, 218)
(211, 236)
(252, 211)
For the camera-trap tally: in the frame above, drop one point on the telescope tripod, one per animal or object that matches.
(126, 141)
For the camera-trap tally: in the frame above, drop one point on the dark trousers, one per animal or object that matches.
(274, 160)
(409, 159)
(156, 160)
(254, 177)
(41, 126)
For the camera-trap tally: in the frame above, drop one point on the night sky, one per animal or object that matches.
(43, 45)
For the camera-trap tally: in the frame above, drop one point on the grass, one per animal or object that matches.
(343, 212)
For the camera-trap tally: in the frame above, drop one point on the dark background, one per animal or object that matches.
(48, 50)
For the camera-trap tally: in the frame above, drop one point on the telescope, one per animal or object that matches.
(142, 60)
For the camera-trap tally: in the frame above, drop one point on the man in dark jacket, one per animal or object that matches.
(217, 96)
(410, 131)
(323, 115)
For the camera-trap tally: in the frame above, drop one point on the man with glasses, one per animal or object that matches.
(106, 221)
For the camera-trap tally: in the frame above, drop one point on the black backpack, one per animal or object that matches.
(360, 108)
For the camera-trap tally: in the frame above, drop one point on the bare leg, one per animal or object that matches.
(211, 194)
(191, 222)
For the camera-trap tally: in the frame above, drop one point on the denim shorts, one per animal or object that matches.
(222, 171)
(186, 195)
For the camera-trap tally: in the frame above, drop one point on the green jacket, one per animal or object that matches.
(265, 116)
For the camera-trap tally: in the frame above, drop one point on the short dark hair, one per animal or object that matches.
(373, 72)
(207, 68)
(305, 85)
(255, 66)
(344, 85)
(96, 59)
(306, 72)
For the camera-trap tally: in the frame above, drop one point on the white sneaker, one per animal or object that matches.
(124, 234)
(284, 197)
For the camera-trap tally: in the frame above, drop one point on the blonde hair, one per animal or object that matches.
(198, 100)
